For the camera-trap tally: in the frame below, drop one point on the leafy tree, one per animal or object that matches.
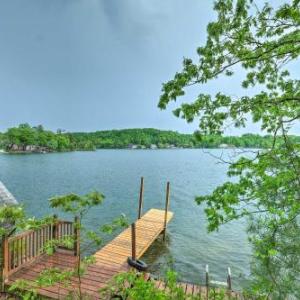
(258, 43)
(78, 206)
(40, 140)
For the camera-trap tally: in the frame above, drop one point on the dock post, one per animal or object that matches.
(133, 242)
(207, 281)
(229, 279)
(76, 236)
(166, 209)
(229, 286)
(141, 197)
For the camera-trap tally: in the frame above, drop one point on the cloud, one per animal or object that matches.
(135, 20)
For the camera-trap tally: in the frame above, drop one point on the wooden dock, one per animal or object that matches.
(148, 228)
(109, 261)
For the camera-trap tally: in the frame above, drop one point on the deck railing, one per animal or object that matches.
(25, 247)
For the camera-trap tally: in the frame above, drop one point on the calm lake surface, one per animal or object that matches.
(33, 179)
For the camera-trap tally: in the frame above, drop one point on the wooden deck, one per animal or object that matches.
(110, 260)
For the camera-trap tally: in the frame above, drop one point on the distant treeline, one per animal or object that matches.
(25, 138)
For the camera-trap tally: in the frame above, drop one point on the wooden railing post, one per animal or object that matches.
(166, 209)
(141, 198)
(2, 264)
(5, 261)
(133, 242)
(207, 281)
(76, 236)
(55, 228)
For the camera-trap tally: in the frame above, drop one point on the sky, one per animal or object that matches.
(86, 65)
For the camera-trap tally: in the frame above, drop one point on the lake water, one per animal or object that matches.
(33, 179)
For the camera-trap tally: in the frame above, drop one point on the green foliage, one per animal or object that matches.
(13, 215)
(24, 289)
(28, 290)
(66, 242)
(133, 286)
(75, 204)
(51, 276)
(16, 217)
(120, 222)
(257, 43)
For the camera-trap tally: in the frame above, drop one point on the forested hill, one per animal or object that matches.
(136, 138)
(25, 138)
(154, 138)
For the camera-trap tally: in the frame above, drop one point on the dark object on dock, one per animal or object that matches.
(137, 264)
(117, 297)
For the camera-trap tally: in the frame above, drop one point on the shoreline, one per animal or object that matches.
(128, 149)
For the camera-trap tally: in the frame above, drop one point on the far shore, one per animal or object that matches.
(130, 149)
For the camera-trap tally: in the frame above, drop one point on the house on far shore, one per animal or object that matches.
(226, 146)
(132, 146)
(153, 146)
